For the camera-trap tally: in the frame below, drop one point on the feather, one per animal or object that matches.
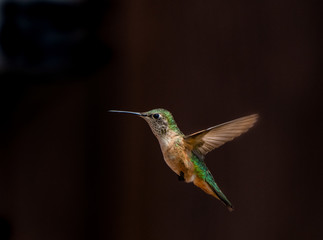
(206, 140)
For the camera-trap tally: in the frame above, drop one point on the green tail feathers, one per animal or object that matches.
(204, 173)
(209, 179)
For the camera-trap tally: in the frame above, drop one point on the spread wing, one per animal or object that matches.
(206, 140)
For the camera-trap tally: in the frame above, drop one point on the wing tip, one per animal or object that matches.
(254, 116)
(251, 119)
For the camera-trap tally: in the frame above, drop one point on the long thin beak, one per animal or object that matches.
(135, 113)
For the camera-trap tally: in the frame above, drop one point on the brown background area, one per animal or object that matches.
(70, 170)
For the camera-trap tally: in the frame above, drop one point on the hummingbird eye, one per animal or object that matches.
(156, 116)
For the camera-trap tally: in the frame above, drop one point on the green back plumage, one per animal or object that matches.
(203, 172)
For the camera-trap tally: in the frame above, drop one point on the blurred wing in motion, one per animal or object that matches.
(206, 140)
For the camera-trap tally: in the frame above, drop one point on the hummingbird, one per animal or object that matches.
(185, 154)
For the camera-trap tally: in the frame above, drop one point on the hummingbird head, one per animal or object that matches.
(160, 121)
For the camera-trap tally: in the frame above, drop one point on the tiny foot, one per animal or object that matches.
(181, 177)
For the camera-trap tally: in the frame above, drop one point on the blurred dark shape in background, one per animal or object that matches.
(52, 37)
(48, 52)
(70, 170)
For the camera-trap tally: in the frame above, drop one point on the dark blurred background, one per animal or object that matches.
(70, 170)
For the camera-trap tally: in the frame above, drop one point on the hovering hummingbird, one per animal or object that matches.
(184, 154)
